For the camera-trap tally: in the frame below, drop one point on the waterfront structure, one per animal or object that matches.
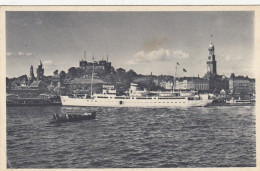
(34, 90)
(241, 87)
(192, 83)
(11, 96)
(40, 72)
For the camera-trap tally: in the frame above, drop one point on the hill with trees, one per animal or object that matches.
(120, 78)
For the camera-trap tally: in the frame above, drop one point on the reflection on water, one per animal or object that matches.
(132, 137)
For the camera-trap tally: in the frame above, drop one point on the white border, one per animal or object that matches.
(129, 2)
(3, 9)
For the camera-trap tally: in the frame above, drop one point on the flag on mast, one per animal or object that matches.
(184, 70)
(178, 63)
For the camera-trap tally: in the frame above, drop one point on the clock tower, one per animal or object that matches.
(211, 63)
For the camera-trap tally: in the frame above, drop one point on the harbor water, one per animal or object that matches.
(217, 136)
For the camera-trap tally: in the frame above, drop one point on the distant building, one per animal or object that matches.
(164, 81)
(19, 83)
(36, 88)
(156, 81)
(23, 82)
(29, 87)
(218, 83)
(83, 85)
(167, 85)
(252, 86)
(98, 65)
(192, 83)
(241, 87)
(40, 72)
(38, 85)
(56, 80)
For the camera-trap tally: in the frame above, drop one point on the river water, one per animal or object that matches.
(219, 136)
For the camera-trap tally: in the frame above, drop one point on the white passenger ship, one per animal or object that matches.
(135, 98)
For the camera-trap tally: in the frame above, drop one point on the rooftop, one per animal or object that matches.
(37, 84)
(86, 81)
(191, 79)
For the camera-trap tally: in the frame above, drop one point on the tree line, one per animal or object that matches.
(120, 78)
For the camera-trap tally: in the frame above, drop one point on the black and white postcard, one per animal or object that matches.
(109, 87)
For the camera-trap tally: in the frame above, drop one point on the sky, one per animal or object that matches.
(143, 41)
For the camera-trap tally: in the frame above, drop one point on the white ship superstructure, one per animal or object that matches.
(135, 98)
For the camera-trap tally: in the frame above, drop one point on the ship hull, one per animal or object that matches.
(140, 103)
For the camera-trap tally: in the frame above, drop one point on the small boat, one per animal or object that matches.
(74, 117)
(239, 102)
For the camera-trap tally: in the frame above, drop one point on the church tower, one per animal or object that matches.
(31, 78)
(211, 63)
(31, 73)
(40, 71)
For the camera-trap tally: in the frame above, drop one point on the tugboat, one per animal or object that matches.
(239, 102)
(73, 117)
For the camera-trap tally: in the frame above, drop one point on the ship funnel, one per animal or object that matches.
(133, 88)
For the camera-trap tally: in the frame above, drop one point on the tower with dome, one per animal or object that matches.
(211, 62)
(216, 82)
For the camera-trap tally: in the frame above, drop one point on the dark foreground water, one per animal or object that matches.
(129, 137)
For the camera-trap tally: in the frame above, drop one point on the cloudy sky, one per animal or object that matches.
(143, 41)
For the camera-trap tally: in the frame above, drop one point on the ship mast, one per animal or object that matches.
(91, 88)
(175, 76)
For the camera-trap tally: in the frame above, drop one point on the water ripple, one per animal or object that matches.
(132, 138)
